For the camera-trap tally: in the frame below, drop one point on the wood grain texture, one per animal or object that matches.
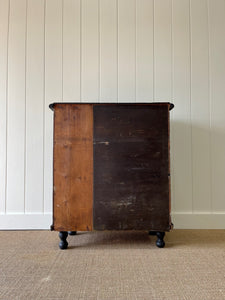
(131, 185)
(73, 167)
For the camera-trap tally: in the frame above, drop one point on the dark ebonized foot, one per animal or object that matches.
(160, 242)
(152, 232)
(63, 242)
(72, 232)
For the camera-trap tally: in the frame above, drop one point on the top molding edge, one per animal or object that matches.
(171, 105)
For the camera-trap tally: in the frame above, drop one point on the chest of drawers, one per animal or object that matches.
(111, 168)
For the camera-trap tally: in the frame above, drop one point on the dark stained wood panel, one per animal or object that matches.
(131, 166)
(73, 167)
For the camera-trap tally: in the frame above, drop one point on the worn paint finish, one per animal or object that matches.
(131, 166)
(73, 167)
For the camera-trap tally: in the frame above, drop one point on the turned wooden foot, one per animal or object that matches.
(63, 242)
(160, 242)
(72, 232)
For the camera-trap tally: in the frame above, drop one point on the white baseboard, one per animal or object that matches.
(25, 221)
(198, 220)
(180, 221)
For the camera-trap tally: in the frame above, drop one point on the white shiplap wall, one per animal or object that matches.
(112, 50)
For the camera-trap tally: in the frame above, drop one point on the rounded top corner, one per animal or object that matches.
(51, 106)
(171, 106)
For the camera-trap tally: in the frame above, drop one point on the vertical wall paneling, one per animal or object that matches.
(162, 50)
(16, 107)
(71, 50)
(34, 106)
(181, 115)
(108, 50)
(163, 63)
(144, 50)
(126, 50)
(200, 106)
(217, 99)
(90, 50)
(53, 87)
(4, 22)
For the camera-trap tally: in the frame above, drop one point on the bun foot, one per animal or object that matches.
(160, 242)
(63, 242)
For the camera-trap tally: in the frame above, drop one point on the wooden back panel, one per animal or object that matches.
(111, 167)
(73, 167)
(131, 166)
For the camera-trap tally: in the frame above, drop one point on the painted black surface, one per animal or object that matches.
(160, 242)
(63, 244)
(131, 185)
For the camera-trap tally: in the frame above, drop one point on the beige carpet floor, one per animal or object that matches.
(112, 265)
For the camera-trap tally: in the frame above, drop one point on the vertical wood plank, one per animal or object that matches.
(217, 88)
(73, 167)
(71, 50)
(34, 106)
(16, 107)
(4, 22)
(181, 115)
(108, 51)
(144, 48)
(162, 51)
(90, 51)
(200, 107)
(53, 87)
(126, 50)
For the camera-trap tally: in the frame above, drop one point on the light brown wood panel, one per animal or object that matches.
(73, 167)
